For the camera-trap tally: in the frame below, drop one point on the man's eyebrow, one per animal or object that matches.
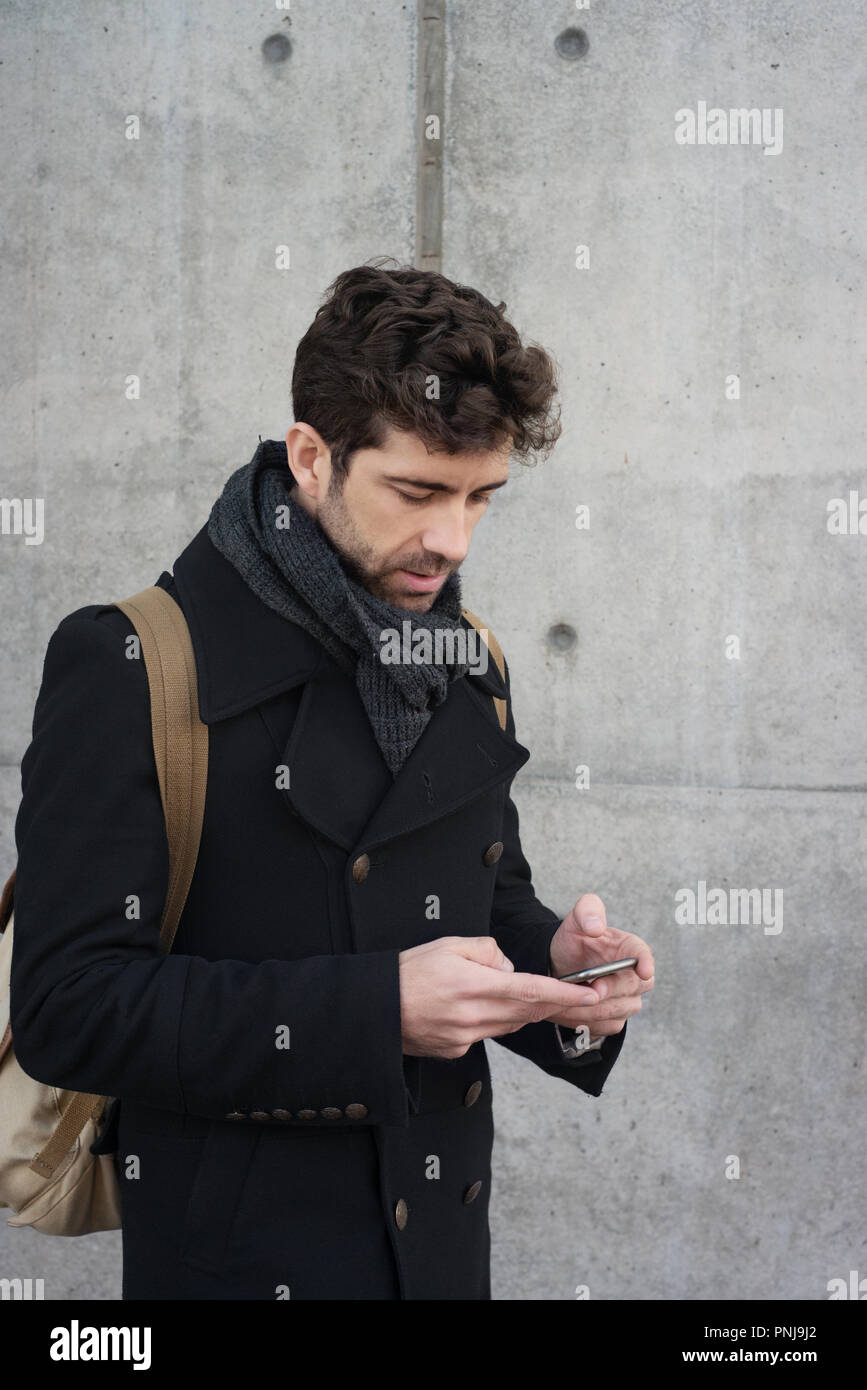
(437, 487)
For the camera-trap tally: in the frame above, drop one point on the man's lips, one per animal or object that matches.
(422, 583)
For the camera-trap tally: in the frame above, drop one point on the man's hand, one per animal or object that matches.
(459, 989)
(584, 939)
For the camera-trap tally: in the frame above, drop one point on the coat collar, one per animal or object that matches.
(246, 654)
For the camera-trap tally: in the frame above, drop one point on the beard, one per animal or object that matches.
(362, 563)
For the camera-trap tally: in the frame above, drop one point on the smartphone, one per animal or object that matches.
(584, 977)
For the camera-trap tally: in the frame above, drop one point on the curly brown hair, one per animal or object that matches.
(381, 336)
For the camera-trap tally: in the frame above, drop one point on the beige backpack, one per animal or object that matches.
(48, 1175)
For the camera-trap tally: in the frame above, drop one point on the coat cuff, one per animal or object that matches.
(348, 1071)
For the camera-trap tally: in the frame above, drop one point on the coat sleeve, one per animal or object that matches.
(94, 1006)
(524, 928)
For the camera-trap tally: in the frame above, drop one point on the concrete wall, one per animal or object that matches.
(736, 763)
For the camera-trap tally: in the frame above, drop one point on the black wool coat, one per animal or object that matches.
(335, 1166)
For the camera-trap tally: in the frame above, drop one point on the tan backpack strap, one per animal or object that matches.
(180, 742)
(497, 653)
(80, 1109)
(180, 738)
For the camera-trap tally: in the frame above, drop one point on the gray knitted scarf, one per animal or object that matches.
(285, 557)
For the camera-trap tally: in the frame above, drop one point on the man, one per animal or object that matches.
(304, 1101)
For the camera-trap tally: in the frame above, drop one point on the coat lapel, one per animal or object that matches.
(340, 783)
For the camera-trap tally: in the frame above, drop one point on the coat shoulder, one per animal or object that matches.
(107, 615)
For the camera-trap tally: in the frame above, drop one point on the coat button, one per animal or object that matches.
(472, 1192)
(306, 1115)
(401, 1212)
(282, 1114)
(473, 1093)
(236, 1115)
(260, 1115)
(356, 1111)
(361, 868)
(492, 853)
(331, 1112)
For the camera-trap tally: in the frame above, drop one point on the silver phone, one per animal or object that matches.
(583, 977)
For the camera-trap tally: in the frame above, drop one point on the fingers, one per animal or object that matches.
(606, 1028)
(645, 967)
(482, 949)
(621, 983)
(545, 991)
(606, 1018)
(634, 946)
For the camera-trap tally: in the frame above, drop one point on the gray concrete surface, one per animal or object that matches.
(708, 519)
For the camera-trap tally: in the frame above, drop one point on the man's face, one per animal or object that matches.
(403, 519)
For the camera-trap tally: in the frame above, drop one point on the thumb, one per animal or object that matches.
(587, 917)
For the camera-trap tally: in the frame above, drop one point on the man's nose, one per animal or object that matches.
(449, 537)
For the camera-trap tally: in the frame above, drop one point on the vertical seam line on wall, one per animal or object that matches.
(430, 87)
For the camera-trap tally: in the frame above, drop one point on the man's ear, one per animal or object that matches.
(309, 460)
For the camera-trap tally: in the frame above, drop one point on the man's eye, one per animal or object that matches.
(481, 498)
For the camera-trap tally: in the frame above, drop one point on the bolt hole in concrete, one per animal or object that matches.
(562, 637)
(276, 48)
(572, 43)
